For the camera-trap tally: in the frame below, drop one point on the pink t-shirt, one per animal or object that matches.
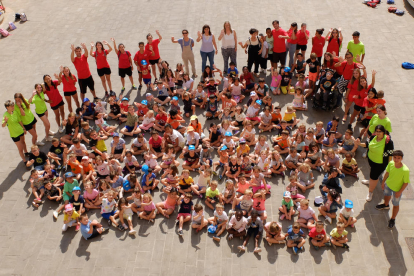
(259, 204)
(276, 80)
(90, 196)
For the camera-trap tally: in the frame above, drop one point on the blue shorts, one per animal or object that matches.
(40, 167)
(129, 129)
(107, 215)
(147, 81)
(388, 192)
(348, 147)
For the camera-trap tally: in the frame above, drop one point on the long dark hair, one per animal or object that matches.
(294, 25)
(96, 44)
(205, 74)
(46, 85)
(209, 29)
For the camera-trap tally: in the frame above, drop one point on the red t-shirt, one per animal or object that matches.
(123, 107)
(69, 84)
(101, 61)
(279, 45)
(314, 234)
(154, 45)
(353, 90)
(141, 56)
(292, 41)
(82, 67)
(348, 69)
(317, 45)
(333, 46)
(146, 71)
(142, 110)
(155, 144)
(53, 94)
(339, 69)
(161, 118)
(247, 77)
(362, 95)
(124, 60)
(302, 38)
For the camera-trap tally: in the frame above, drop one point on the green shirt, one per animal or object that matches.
(211, 194)
(375, 121)
(28, 115)
(288, 204)
(69, 188)
(13, 124)
(376, 150)
(334, 233)
(356, 49)
(397, 176)
(269, 41)
(131, 120)
(101, 146)
(40, 104)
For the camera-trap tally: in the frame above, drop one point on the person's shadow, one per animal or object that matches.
(17, 174)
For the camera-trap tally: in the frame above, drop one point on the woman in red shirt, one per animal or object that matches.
(302, 43)
(363, 89)
(55, 99)
(352, 90)
(125, 66)
(292, 42)
(104, 71)
(318, 42)
(334, 38)
(69, 89)
(154, 58)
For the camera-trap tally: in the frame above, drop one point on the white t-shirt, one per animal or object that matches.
(306, 214)
(266, 119)
(202, 181)
(187, 84)
(107, 206)
(176, 134)
(78, 151)
(240, 117)
(148, 120)
(222, 218)
(264, 49)
(138, 144)
(347, 214)
(230, 144)
(197, 220)
(259, 147)
(248, 134)
(191, 140)
(251, 111)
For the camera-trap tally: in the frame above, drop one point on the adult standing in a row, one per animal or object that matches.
(154, 58)
(187, 44)
(356, 47)
(125, 66)
(208, 46)
(102, 65)
(229, 45)
(279, 45)
(303, 37)
(80, 61)
(292, 42)
(16, 129)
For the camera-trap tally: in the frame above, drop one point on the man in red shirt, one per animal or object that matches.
(82, 67)
(279, 44)
(154, 58)
(141, 54)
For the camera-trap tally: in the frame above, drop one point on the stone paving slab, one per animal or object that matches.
(32, 244)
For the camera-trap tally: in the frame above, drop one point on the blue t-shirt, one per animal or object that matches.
(150, 181)
(118, 182)
(182, 43)
(85, 229)
(233, 72)
(293, 236)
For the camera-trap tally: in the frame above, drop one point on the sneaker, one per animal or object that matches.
(257, 250)
(319, 169)
(132, 232)
(217, 239)
(328, 244)
(328, 219)
(55, 214)
(220, 177)
(77, 227)
(382, 206)
(282, 217)
(236, 132)
(365, 182)
(214, 173)
(59, 167)
(352, 225)
(112, 92)
(180, 233)
(134, 87)
(241, 248)
(230, 237)
(104, 230)
(109, 222)
(364, 155)
(60, 129)
(48, 139)
(52, 132)
(391, 223)
(106, 94)
(122, 89)
(120, 227)
(125, 226)
(345, 246)
(369, 197)
(295, 250)
(39, 143)
(315, 247)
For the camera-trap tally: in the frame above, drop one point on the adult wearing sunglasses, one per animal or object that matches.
(187, 44)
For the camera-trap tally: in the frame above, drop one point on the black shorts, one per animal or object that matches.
(154, 61)
(361, 109)
(313, 161)
(118, 151)
(239, 123)
(365, 122)
(253, 231)
(95, 233)
(270, 57)
(85, 83)
(17, 139)
(376, 169)
(125, 71)
(58, 105)
(279, 57)
(301, 47)
(162, 98)
(41, 115)
(68, 94)
(104, 71)
(30, 125)
(159, 149)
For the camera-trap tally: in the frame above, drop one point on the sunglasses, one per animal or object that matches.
(185, 33)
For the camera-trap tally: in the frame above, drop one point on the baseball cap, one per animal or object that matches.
(224, 147)
(190, 128)
(259, 102)
(145, 168)
(242, 141)
(228, 134)
(287, 69)
(69, 174)
(193, 117)
(85, 100)
(175, 98)
(286, 194)
(116, 134)
(144, 102)
(349, 204)
(191, 147)
(68, 207)
(76, 188)
(85, 158)
(125, 99)
(253, 94)
(148, 95)
(144, 62)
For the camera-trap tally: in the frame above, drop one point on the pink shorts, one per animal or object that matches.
(313, 76)
(166, 206)
(298, 196)
(185, 215)
(253, 118)
(256, 188)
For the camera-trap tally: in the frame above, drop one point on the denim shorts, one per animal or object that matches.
(388, 192)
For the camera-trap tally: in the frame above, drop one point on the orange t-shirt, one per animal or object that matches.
(228, 102)
(174, 122)
(75, 166)
(88, 168)
(276, 117)
(283, 143)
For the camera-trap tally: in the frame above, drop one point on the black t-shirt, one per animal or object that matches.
(185, 208)
(327, 84)
(56, 150)
(212, 88)
(38, 160)
(76, 203)
(115, 109)
(52, 192)
(191, 159)
(93, 143)
(215, 136)
(285, 79)
(71, 128)
(313, 65)
(187, 105)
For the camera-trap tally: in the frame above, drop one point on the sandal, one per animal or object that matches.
(35, 204)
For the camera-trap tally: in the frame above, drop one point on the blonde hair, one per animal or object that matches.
(289, 108)
(147, 195)
(214, 183)
(304, 165)
(304, 202)
(248, 192)
(320, 123)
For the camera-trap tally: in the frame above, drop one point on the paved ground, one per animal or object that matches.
(32, 244)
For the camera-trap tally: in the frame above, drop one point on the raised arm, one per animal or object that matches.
(83, 45)
(72, 54)
(107, 44)
(116, 49)
(91, 51)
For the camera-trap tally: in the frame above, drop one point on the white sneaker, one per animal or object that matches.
(328, 219)
(60, 129)
(230, 237)
(48, 139)
(132, 232)
(369, 197)
(365, 182)
(52, 132)
(39, 143)
(241, 248)
(55, 214)
(364, 155)
(257, 250)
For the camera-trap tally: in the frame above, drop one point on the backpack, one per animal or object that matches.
(407, 65)
(127, 52)
(390, 2)
(392, 9)
(96, 55)
(4, 33)
(23, 17)
(372, 4)
(399, 12)
(12, 26)
(17, 16)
